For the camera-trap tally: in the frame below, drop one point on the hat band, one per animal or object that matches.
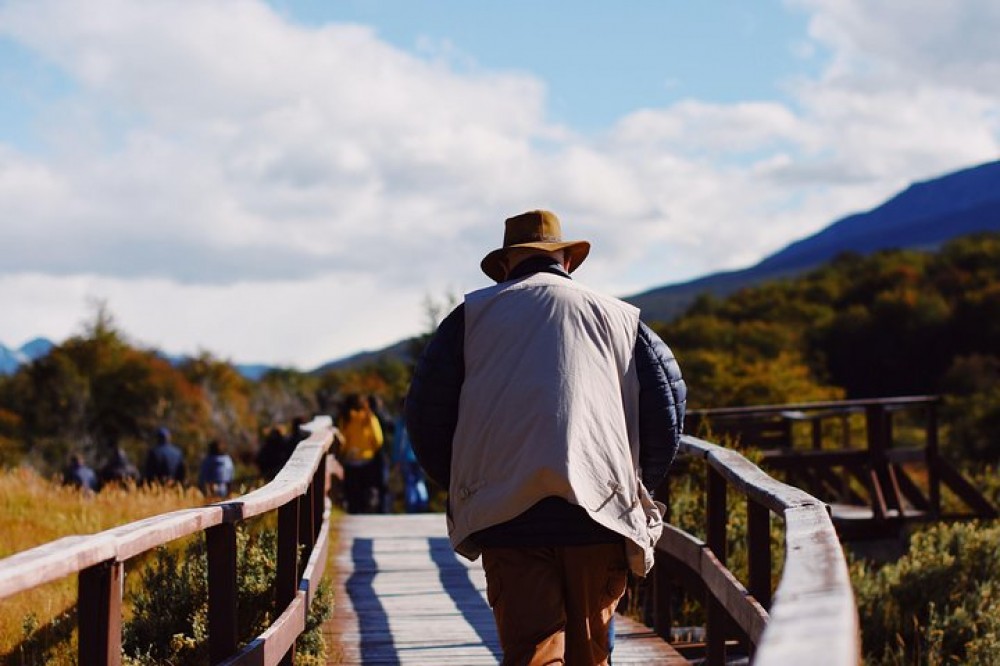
(537, 239)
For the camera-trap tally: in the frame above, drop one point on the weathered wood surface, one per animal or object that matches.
(813, 618)
(71, 554)
(404, 597)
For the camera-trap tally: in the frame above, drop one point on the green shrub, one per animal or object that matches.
(939, 603)
(169, 623)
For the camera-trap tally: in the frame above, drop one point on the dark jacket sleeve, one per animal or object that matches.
(432, 401)
(662, 401)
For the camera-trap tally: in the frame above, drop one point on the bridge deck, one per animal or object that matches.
(403, 597)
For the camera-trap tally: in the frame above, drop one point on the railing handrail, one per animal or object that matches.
(813, 618)
(840, 405)
(83, 553)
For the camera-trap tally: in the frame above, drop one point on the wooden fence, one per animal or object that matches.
(299, 495)
(812, 618)
(873, 488)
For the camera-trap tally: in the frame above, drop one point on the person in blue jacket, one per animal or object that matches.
(79, 474)
(216, 473)
(415, 497)
(165, 461)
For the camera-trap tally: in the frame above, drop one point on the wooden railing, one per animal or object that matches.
(813, 617)
(893, 481)
(298, 493)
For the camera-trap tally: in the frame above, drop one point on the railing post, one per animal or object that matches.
(286, 580)
(759, 552)
(876, 458)
(932, 461)
(662, 602)
(305, 536)
(662, 599)
(99, 614)
(222, 591)
(715, 629)
(817, 433)
(319, 497)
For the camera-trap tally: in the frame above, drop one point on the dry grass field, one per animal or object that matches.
(35, 510)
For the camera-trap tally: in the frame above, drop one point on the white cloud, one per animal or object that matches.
(912, 42)
(230, 179)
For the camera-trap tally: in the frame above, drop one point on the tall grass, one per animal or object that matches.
(35, 510)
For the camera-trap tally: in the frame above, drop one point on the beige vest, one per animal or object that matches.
(549, 407)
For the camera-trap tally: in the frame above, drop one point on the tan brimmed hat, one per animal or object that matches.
(536, 229)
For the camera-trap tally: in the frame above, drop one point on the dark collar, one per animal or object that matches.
(540, 264)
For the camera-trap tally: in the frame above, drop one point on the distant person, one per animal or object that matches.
(361, 455)
(165, 461)
(216, 473)
(415, 497)
(119, 470)
(79, 475)
(273, 454)
(388, 426)
(296, 434)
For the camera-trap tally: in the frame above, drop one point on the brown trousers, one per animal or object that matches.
(553, 604)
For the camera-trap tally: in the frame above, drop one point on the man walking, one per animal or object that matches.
(549, 411)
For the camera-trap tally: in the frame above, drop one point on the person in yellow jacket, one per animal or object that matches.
(361, 455)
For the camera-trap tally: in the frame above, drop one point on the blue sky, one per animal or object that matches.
(598, 65)
(220, 172)
(601, 61)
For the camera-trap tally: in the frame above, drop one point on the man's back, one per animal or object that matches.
(544, 401)
(538, 403)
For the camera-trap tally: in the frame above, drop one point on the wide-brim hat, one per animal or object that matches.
(538, 229)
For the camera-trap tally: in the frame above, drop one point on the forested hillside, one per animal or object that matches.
(892, 323)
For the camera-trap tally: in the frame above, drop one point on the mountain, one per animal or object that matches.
(12, 359)
(400, 350)
(253, 371)
(37, 348)
(923, 216)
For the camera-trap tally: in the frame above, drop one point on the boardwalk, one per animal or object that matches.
(420, 604)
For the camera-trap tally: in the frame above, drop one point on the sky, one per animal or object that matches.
(294, 181)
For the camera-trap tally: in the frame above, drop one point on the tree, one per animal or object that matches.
(97, 390)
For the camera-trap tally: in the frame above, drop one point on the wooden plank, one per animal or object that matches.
(99, 614)
(714, 561)
(963, 489)
(403, 597)
(274, 644)
(747, 477)
(316, 565)
(779, 459)
(729, 592)
(911, 491)
(222, 591)
(813, 618)
(834, 406)
(52, 561)
(759, 553)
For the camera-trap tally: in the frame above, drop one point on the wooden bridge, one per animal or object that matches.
(404, 598)
(876, 462)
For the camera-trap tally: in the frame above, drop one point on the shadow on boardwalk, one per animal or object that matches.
(404, 597)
